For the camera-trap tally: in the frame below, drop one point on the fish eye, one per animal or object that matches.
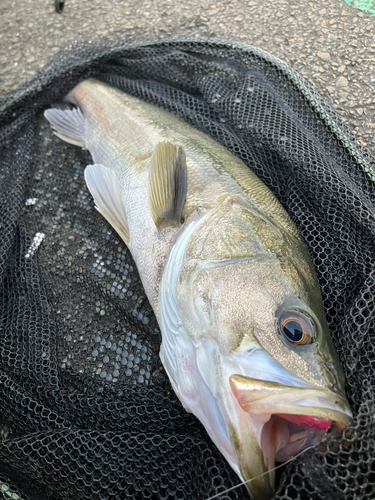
(296, 327)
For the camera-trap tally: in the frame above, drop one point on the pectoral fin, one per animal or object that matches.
(167, 184)
(105, 189)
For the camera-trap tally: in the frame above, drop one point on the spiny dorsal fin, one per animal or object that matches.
(167, 183)
(105, 189)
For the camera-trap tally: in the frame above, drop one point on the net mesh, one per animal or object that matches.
(86, 410)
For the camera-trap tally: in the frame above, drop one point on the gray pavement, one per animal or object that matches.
(329, 43)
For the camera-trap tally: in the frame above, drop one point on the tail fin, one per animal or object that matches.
(69, 125)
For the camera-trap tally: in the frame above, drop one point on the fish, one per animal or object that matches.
(245, 341)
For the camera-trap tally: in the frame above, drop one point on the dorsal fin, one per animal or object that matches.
(167, 183)
(105, 189)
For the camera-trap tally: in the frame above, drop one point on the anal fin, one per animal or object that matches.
(105, 189)
(167, 183)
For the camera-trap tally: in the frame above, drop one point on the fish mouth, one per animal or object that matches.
(288, 419)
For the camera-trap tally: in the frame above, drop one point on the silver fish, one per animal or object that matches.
(245, 342)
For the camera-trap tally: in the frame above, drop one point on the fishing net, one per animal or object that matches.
(86, 409)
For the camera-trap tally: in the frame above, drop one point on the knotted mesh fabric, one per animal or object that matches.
(86, 410)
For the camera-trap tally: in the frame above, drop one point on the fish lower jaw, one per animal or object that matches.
(285, 435)
(260, 441)
(284, 430)
(288, 419)
(282, 439)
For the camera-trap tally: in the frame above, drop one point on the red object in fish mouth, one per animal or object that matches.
(317, 423)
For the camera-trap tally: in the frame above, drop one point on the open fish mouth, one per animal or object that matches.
(283, 438)
(290, 419)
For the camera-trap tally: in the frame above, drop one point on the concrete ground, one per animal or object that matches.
(329, 43)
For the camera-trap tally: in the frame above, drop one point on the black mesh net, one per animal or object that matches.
(86, 410)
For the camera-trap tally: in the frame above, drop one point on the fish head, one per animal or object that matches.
(262, 344)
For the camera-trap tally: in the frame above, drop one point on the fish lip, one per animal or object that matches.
(259, 397)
